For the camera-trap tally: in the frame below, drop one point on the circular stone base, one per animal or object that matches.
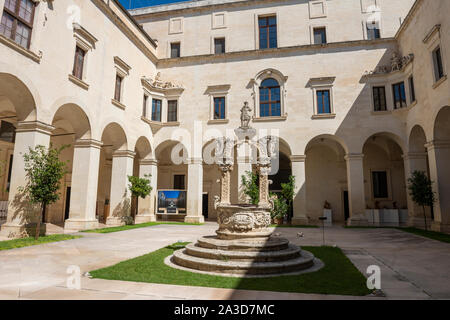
(318, 264)
(228, 235)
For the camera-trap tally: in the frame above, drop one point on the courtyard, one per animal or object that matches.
(412, 267)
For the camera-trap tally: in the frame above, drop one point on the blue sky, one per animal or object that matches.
(131, 4)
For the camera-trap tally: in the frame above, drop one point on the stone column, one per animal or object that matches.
(356, 190)
(414, 162)
(194, 192)
(120, 203)
(21, 215)
(299, 172)
(225, 183)
(147, 206)
(439, 157)
(83, 198)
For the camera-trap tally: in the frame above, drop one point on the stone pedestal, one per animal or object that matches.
(194, 194)
(148, 168)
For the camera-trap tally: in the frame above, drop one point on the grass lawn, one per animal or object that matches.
(136, 226)
(293, 226)
(26, 242)
(338, 276)
(439, 236)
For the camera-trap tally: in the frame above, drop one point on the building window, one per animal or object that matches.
(320, 36)
(156, 110)
(267, 32)
(412, 90)
(380, 184)
(118, 88)
(323, 102)
(398, 90)
(373, 31)
(219, 108)
(175, 50)
(379, 99)
(269, 98)
(219, 45)
(17, 21)
(438, 67)
(178, 182)
(144, 106)
(78, 64)
(172, 112)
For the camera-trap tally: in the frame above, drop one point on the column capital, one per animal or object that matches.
(298, 158)
(148, 162)
(415, 156)
(354, 156)
(88, 143)
(123, 154)
(437, 144)
(30, 126)
(195, 161)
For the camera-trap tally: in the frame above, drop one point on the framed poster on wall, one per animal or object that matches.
(171, 201)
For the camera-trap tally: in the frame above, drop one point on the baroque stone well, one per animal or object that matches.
(244, 244)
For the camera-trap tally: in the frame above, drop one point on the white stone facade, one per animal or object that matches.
(335, 155)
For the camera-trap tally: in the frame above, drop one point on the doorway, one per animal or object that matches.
(67, 207)
(205, 205)
(346, 206)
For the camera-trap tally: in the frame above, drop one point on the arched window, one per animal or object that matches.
(269, 98)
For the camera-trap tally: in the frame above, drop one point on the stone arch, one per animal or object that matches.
(143, 148)
(441, 129)
(386, 134)
(417, 140)
(384, 172)
(18, 99)
(332, 141)
(114, 136)
(326, 177)
(72, 119)
(178, 148)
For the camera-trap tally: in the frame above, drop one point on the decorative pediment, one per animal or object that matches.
(398, 63)
(84, 36)
(158, 84)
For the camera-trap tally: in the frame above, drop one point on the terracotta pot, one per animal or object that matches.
(278, 221)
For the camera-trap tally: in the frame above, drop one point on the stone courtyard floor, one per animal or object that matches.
(412, 267)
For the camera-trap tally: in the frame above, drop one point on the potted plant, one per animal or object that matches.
(280, 209)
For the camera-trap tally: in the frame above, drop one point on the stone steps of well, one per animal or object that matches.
(291, 252)
(305, 261)
(255, 244)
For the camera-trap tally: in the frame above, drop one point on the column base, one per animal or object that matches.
(418, 222)
(439, 227)
(77, 225)
(357, 222)
(300, 221)
(114, 222)
(194, 219)
(143, 218)
(16, 231)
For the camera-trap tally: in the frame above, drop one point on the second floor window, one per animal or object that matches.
(438, 67)
(172, 112)
(219, 45)
(156, 110)
(175, 50)
(379, 99)
(320, 36)
(398, 91)
(118, 88)
(78, 63)
(269, 98)
(219, 108)
(267, 32)
(323, 101)
(17, 21)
